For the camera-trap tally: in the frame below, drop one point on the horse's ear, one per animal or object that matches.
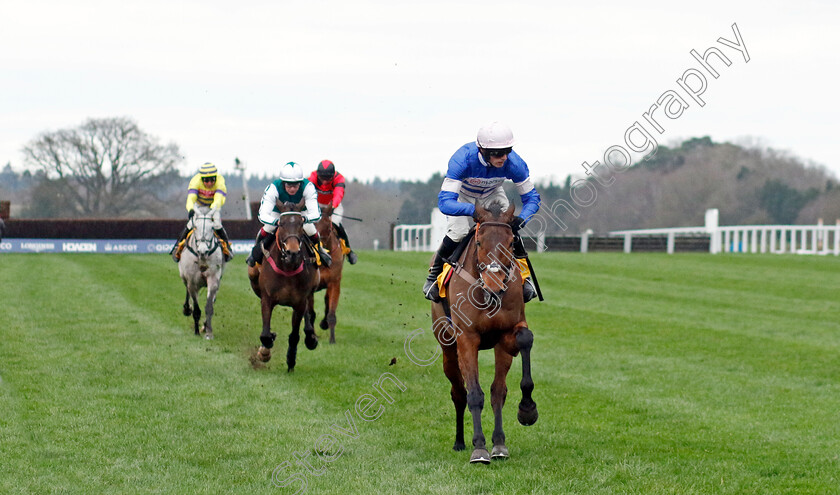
(509, 212)
(299, 206)
(480, 213)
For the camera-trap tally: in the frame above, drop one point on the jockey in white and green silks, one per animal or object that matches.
(291, 187)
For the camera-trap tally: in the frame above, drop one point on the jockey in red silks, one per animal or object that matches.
(329, 185)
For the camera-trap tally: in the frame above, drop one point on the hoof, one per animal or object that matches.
(187, 311)
(527, 414)
(332, 340)
(208, 336)
(268, 340)
(459, 446)
(264, 354)
(499, 452)
(311, 342)
(324, 325)
(480, 456)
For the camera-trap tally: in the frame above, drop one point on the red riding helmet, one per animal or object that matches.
(326, 171)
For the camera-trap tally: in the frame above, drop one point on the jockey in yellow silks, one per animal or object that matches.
(206, 190)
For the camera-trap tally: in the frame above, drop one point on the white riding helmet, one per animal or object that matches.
(291, 172)
(495, 135)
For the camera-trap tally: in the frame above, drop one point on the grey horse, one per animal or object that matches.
(202, 265)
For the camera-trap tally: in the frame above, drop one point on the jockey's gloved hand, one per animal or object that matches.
(192, 213)
(516, 224)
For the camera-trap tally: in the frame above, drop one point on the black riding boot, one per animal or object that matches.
(351, 256)
(326, 259)
(430, 288)
(175, 252)
(528, 290)
(225, 243)
(263, 239)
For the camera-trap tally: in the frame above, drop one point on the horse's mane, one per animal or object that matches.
(495, 208)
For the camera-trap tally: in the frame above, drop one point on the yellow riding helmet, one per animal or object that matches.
(208, 170)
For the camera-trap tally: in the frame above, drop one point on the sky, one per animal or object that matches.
(391, 89)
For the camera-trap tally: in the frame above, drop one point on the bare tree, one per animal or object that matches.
(104, 168)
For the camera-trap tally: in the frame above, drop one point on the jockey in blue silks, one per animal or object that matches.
(474, 177)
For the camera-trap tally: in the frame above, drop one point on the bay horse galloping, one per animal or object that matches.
(287, 278)
(330, 275)
(201, 265)
(484, 304)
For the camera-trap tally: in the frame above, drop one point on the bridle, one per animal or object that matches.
(205, 245)
(494, 267)
(285, 254)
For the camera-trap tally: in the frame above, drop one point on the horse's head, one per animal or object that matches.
(290, 231)
(203, 243)
(324, 225)
(494, 246)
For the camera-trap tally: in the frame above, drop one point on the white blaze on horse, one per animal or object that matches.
(202, 265)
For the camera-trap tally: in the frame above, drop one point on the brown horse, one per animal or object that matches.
(483, 309)
(331, 275)
(287, 278)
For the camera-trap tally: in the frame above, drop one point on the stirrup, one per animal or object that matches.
(326, 259)
(431, 290)
(528, 290)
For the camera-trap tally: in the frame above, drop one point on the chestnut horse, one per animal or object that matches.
(483, 309)
(331, 275)
(287, 277)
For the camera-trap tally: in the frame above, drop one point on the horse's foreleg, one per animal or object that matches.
(527, 407)
(498, 394)
(212, 289)
(457, 392)
(187, 310)
(267, 336)
(468, 362)
(333, 291)
(294, 337)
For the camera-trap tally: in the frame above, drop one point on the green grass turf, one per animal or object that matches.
(654, 374)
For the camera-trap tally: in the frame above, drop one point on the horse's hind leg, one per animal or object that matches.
(527, 407)
(196, 311)
(212, 289)
(310, 339)
(294, 338)
(187, 310)
(498, 394)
